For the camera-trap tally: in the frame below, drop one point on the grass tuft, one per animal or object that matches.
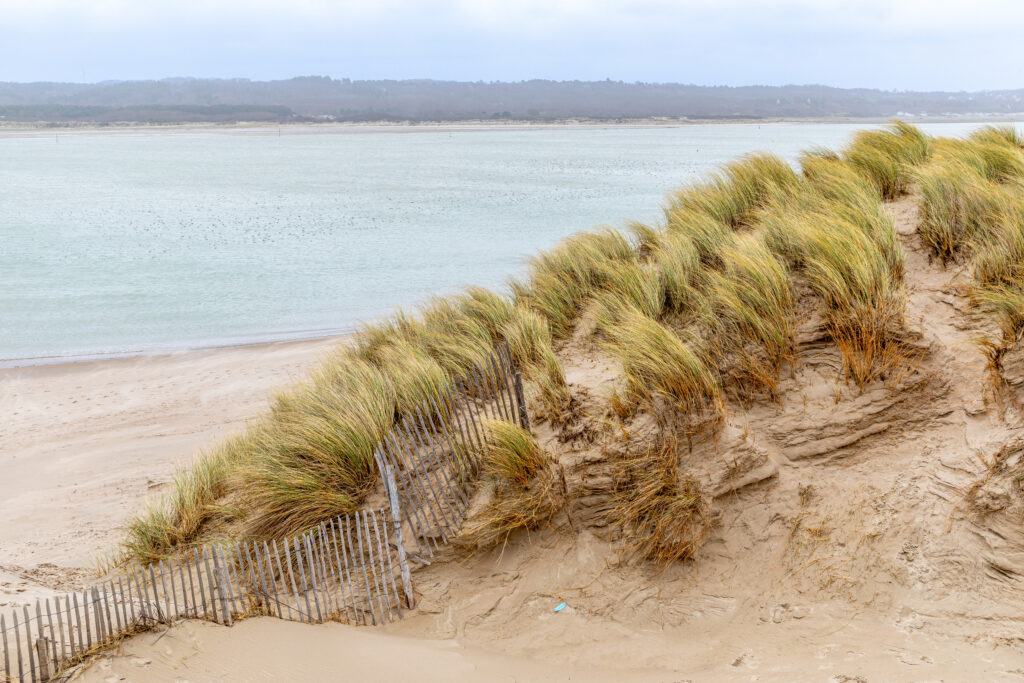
(528, 486)
(665, 517)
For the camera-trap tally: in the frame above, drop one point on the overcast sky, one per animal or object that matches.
(889, 44)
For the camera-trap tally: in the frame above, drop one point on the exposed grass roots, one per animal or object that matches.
(665, 517)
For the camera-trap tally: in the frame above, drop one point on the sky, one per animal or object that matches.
(886, 44)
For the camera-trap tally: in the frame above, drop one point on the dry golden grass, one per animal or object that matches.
(657, 363)
(751, 311)
(664, 516)
(887, 157)
(528, 486)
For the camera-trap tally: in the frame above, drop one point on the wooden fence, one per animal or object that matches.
(353, 568)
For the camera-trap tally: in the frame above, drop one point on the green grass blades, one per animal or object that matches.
(887, 157)
(752, 311)
(732, 196)
(657, 363)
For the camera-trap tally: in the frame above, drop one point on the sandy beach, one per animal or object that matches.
(83, 445)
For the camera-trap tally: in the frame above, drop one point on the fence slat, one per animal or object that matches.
(348, 573)
(305, 583)
(273, 578)
(330, 574)
(464, 399)
(27, 624)
(453, 457)
(17, 646)
(389, 482)
(416, 502)
(454, 497)
(223, 583)
(423, 475)
(211, 583)
(389, 449)
(373, 564)
(61, 656)
(174, 586)
(7, 649)
(96, 614)
(362, 562)
(385, 573)
(412, 515)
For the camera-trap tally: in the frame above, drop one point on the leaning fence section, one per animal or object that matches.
(430, 459)
(352, 568)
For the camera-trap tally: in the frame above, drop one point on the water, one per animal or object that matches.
(117, 244)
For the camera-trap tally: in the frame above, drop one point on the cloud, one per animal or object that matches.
(941, 44)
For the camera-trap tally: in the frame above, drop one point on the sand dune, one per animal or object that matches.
(860, 536)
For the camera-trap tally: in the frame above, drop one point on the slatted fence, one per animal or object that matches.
(353, 568)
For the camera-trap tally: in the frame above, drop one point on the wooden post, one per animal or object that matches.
(396, 516)
(524, 417)
(43, 655)
(411, 511)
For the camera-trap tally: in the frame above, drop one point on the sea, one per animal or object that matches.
(119, 244)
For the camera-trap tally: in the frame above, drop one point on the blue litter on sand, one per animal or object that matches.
(560, 607)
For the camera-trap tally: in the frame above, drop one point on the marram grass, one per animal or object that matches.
(680, 305)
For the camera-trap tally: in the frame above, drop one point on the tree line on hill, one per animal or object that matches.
(317, 98)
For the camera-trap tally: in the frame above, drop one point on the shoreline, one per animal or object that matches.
(337, 335)
(47, 130)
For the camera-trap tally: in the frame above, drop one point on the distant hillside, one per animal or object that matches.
(316, 98)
